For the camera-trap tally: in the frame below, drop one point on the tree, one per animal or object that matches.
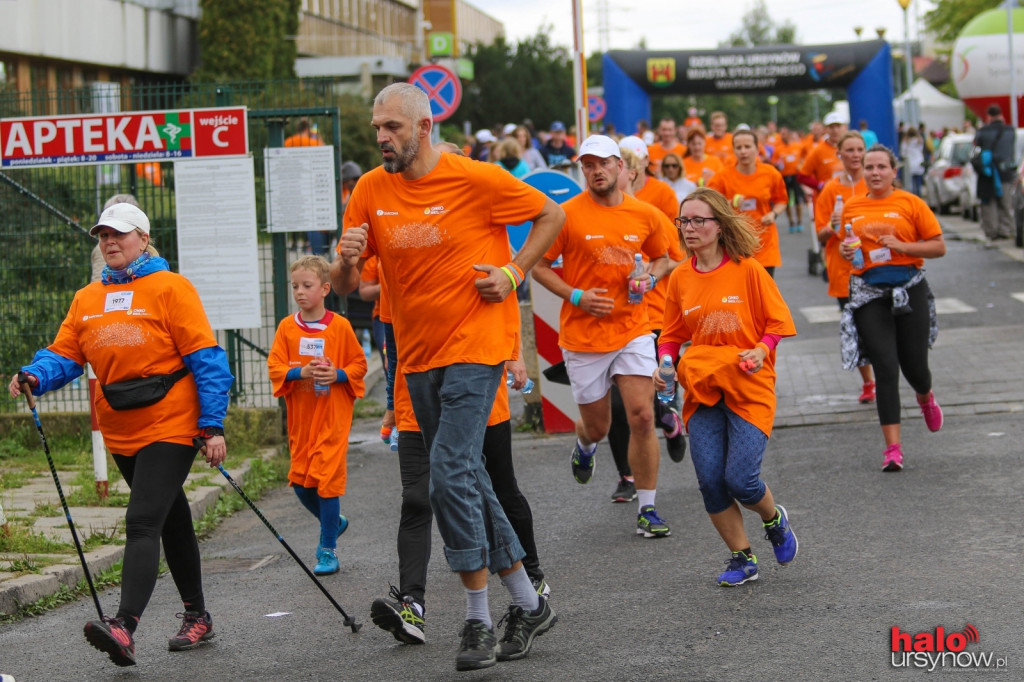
(757, 28)
(249, 40)
(512, 82)
(949, 16)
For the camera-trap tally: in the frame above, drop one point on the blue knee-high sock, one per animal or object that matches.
(330, 508)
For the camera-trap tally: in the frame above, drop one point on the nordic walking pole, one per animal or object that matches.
(349, 620)
(30, 399)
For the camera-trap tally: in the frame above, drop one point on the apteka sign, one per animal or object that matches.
(128, 137)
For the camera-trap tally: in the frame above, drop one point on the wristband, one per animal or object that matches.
(208, 432)
(654, 282)
(517, 271)
(511, 277)
(577, 295)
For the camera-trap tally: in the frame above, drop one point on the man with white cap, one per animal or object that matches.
(822, 163)
(482, 149)
(606, 339)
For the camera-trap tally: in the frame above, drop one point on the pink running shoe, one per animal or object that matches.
(932, 413)
(893, 458)
(867, 393)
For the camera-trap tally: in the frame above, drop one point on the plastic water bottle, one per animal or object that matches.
(320, 390)
(837, 211)
(853, 241)
(393, 440)
(527, 387)
(667, 374)
(637, 274)
(366, 343)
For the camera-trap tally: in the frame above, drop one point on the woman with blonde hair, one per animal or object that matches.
(672, 175)
(730, 309)
(509, 155)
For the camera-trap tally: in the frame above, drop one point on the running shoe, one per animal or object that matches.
(400, 617)
(671, 424)
(196, 628)
(326, 562)
(650, 525)
(112, 637)
(740, 568)
(867, 393)
(542, 587)
(932, 413)
(625, 491)
(342, 524)
(478, 646)
(893, 458)
(582, 465)
(522, 628)
(778, 532)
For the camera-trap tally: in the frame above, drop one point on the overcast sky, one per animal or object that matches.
(700, 24)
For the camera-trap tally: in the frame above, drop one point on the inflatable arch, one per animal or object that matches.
(863, 68)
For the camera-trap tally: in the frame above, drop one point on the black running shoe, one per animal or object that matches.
(477, 648)
(522, 628)
(399, 617)
(582, 465)
(196, 628)
(112, 637)
(625, 491)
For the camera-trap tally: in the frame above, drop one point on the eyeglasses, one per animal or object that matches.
(670, 165)
(697, 222)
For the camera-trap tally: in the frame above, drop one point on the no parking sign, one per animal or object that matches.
(596, 108)
(443, 88)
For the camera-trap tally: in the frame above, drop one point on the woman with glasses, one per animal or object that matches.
(698, 167)
(890, 317)
(757, 190)
(724, 303)
(672, 175)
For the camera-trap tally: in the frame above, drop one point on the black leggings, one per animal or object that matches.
(158, 509)
(895, 343)
(414, 526)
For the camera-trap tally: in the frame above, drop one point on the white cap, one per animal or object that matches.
(509, 129)
(600, 146)
(743, 126)
(484, 136)
(648, 137)
(124, 218)
(635, 145)
(833, 118)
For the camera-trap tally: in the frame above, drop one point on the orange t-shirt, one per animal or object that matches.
(719, 146)
(653, 193)
(901, 214)
(723, 312)
(755, 194)
(369, 274)
(788, 158)
(823, 162)
(838, 268)
(130, 331)
(694, 170)
(303, 140)
(318, 427)
(429, 233)
(597, 245)
(656, 153)
(692, 121)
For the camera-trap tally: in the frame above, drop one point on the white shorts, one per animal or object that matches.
(590, 374)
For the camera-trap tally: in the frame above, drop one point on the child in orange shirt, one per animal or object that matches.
(304, 352)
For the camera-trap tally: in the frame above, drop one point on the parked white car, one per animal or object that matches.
(950, 181)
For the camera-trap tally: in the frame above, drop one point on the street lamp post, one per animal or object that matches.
(910, 104)
(774, 101)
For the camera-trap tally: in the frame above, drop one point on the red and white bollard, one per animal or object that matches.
(99, 450)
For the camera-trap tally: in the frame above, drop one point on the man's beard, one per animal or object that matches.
(404, 158)
(607, 190)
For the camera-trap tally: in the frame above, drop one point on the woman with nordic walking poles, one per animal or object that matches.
(163, 382)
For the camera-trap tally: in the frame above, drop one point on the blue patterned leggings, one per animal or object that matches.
(726, 452)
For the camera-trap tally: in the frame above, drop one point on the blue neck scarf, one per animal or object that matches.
(140, 267)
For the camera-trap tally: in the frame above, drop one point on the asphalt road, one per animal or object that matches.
(933, 546)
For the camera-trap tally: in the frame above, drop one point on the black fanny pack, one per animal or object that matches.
(136, 393)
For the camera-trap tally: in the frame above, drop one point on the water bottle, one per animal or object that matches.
(527, 387)
(667, 374)
(637, 274)
(320, 390)
(366, 343)
(837, 212)
(853, 241)
(393, 440)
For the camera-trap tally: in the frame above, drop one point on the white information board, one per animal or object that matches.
(217, 249)
(302, 191)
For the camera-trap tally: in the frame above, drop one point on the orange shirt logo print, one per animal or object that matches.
(416, 236)
(720, 322)
(613, 255)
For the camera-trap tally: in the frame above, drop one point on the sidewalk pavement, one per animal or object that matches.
(17, 591)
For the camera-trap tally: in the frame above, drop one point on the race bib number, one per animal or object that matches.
(880, 255)
(311, 347)
(118, 300)
(748, 204)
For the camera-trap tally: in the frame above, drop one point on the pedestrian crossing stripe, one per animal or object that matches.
(1019, 296)
(816, 314)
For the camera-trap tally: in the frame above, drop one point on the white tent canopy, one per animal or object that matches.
(938, 110)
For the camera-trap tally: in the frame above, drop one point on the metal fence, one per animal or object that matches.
(45, 215)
